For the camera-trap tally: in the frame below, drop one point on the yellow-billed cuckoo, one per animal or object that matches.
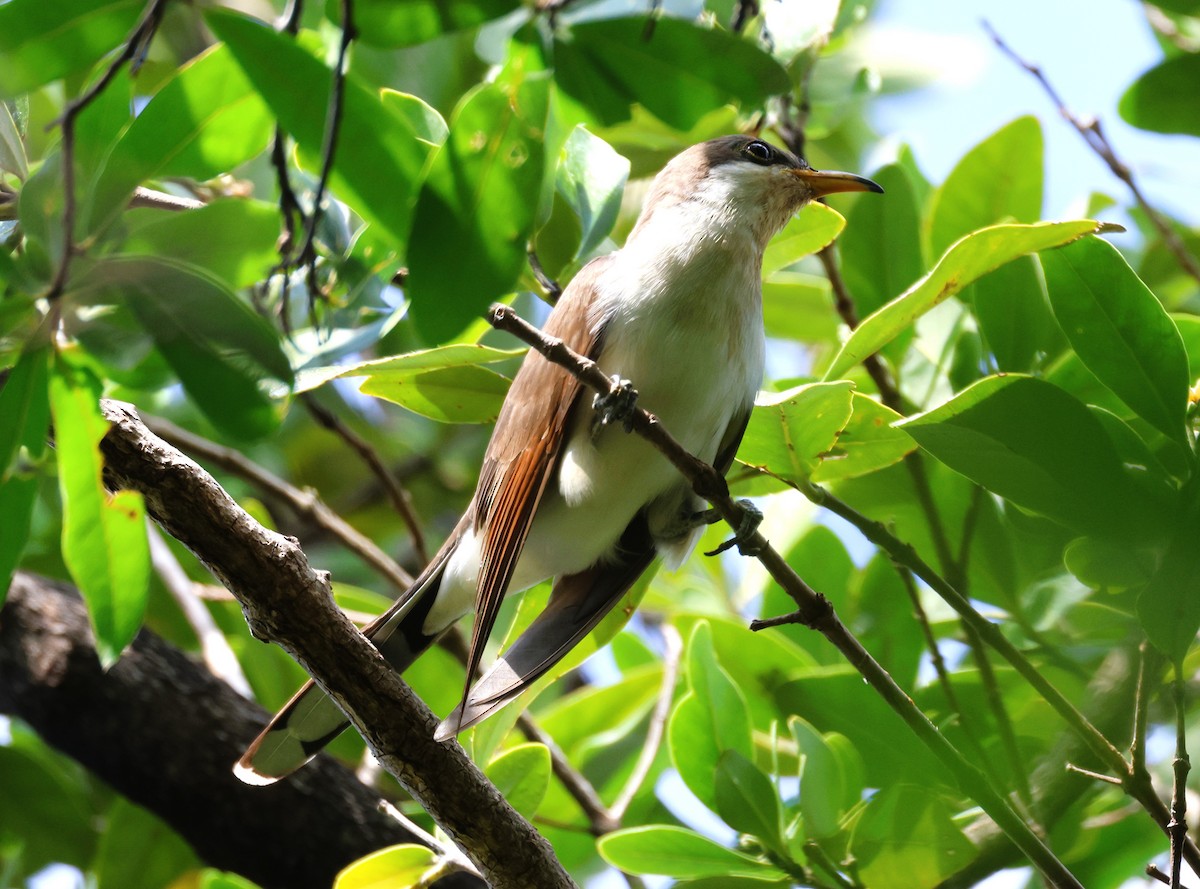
(562, 494)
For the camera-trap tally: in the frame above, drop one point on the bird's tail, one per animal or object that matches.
(311, 719)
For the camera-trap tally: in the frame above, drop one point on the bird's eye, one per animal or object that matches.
(759, 152)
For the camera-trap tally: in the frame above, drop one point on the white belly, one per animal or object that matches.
(697, 364)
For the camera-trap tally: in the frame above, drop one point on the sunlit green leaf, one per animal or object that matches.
(380, 154)
(468, 394)
(591, 177)
(222, 351)
(1164, 99)
(677, 70)
(522, 774)
(104, 536)
(790, 432)
(1014, 317)
(868, 442)
(881, 247)
(1032, 443)
(12, 147)
(814, 227)
(999, 180)
(427, 125)
(822, 791)
(477, 207)
(748, 801)
(203, 122)
(392, 868)
(678, 852)
(41, 42)
(905, 837)
(395, 23)
(232, 239)
(1120, 331)
(967, 259)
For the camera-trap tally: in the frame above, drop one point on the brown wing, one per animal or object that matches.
(524, 451)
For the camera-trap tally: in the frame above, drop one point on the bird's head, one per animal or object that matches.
(743, 183)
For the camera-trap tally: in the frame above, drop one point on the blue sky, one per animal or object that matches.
(1090, 56)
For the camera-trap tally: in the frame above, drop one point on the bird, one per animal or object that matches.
(564, 493)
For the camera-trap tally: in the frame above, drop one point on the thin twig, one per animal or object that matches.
(399, 498)
(329, 140)
(1095, 776)
(214, 647)
(1155, 873)
(818, 613)
(135, 45)
(1147, 661)
(1181, 765)
(304, 503)
(1096, 140)
(672, 651)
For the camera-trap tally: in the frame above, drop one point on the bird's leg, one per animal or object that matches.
(617, 404)
(751, 518)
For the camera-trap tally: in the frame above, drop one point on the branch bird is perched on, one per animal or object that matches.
(562, 494)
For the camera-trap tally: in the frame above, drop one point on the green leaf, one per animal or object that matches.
(1164, 99)
(1121, 332)
(25, 407)
(211, 878)
(1099, 565)
(408, 364)
(678, 852)
(17, 497)
(677, 70)
(881, 247)
(522, 774)
(12, 146)
(427, 125)
(395, 867)
(477, 207)
(868, 442)
(906, 837)
(232, 239)
(380, 153)
(591, 178)
(789, 432)
(139, 851)
(396, 23)
(748, 801)
(1168, 608)
(968, 259)
(813, 228)
(594, 717)
(1032, 443)
(711, 719)
(41, 42)
(44, 811)
(822, 787)
(205, 121)
(1014, 317)
(999, 180)
(104, 536)
(448, 395)
(222, 351)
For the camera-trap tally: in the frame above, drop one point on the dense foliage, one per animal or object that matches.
(1000, 404)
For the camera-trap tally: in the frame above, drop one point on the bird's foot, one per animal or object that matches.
(617, 404)
(743, 537)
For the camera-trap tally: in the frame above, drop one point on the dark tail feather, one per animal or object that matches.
(577, 603)
(311, 719)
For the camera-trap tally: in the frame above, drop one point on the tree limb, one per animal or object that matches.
(287, 602)
(163, 732)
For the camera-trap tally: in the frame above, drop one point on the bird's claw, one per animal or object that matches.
(742, 538)
(617, 404)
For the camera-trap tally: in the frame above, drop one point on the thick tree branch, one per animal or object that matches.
(162, 731)
(288, 602)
